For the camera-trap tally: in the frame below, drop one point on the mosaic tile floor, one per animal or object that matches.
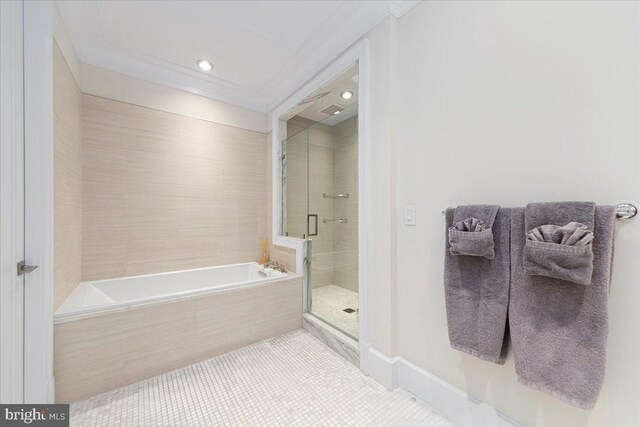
(290, 380)
(329, 302)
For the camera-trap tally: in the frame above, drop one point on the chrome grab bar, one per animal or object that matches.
(339, 220)
(335, 196)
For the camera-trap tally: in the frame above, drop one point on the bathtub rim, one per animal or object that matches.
(165, 298)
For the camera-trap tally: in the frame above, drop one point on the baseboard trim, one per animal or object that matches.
(450, 401)
(382, 368)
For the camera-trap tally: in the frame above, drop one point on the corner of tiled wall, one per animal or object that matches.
(67, 170)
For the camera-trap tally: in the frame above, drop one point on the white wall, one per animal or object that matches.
(509, 103)
(382, 212)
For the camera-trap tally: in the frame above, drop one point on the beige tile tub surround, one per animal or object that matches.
(165, 192)
(67, 177)
(101, 353)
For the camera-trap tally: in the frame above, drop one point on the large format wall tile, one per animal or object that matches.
(164, 192)
(115, 124)
(67, 171)
(345, 178)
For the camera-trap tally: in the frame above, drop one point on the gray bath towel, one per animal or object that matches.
(477, 290)
(559, 329)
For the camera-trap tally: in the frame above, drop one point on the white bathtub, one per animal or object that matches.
(125, 292)
(110, 333)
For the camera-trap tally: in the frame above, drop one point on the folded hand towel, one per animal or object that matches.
(471, 232)
(557, 243)
(477, 288)
(572, 234)
(559, 330)
(560, 252)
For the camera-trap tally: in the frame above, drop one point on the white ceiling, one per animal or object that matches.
(261, 50)
(347, 81)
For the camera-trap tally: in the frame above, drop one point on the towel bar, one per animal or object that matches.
(626, 210)
(623, 210)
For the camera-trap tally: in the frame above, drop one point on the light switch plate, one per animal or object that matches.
(410, 215)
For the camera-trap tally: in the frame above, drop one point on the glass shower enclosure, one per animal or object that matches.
(320, 203)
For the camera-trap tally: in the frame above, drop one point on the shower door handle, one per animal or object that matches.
(315, 224)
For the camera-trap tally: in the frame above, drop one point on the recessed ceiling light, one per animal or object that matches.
(335, 113)
(347, 94)
(204, 65)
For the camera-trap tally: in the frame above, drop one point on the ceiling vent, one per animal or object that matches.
(332, 109)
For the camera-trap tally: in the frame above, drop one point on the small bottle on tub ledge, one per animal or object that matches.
(265, 251)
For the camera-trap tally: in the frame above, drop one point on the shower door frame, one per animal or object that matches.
(358, 53)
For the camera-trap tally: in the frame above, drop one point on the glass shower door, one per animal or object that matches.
(295, 180)
(320, 204)
(333, 216)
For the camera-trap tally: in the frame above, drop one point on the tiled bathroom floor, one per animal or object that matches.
(329, 302)
(288, 380)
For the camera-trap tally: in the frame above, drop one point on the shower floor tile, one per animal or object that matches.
(329, 303)
(291, 379)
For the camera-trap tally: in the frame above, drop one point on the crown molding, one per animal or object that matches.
(358, 18)
(349, 23)
(400, 7)
(168, 74)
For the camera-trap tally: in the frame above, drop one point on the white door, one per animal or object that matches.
(38, 201)
(11, 202)
(26, 202)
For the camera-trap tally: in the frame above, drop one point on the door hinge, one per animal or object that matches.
(23, 268)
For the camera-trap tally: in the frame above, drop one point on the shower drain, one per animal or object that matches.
(349, 310)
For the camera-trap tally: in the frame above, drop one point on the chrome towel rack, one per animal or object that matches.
(626, 210)
(623, 210)
(335, 196)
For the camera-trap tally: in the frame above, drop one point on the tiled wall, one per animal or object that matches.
(345, 178)
(67, 169)
(166, 192)
(332, 168)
